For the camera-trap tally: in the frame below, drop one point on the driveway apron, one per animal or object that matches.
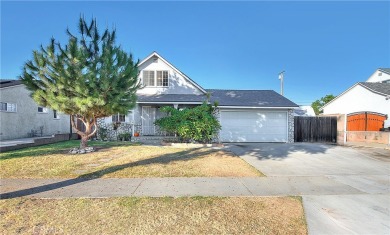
(347, 190)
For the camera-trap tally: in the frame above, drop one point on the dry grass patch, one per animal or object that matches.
(196, 215)
(122, 161)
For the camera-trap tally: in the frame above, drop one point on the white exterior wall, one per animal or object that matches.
(358, 99)
(17, 124)
(177, 84)
(378, 76)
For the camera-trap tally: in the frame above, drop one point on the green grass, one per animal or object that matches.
(121, 160)
(130, 215)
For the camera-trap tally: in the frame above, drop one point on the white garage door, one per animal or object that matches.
(253, 126)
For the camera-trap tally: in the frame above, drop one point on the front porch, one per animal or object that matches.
(148, 113)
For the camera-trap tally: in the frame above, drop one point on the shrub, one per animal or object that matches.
(103, 133)
(191, 124)
(124, 136)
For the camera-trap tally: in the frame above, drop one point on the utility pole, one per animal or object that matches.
(281, 78)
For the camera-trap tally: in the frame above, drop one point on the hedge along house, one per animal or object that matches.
(245, 115)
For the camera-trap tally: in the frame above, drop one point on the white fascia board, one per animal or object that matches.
(339, 96)
(174, 68)
(322, 108)
(251, 107)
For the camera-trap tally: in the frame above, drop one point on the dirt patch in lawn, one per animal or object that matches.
(124, 161)
(195, 215)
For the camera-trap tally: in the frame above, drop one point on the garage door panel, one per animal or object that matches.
(253, 126)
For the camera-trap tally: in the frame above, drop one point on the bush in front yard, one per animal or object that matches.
(191, 124)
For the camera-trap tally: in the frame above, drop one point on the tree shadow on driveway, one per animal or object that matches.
(278, 151)
(161, 159)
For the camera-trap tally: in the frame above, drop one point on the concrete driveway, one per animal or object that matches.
(360, 206)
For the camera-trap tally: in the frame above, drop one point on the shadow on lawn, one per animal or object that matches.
(162, 159)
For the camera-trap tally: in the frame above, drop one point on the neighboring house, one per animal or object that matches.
(21, 117)
(304, 111)
(380, 75)
(368, 100)
(245, 115)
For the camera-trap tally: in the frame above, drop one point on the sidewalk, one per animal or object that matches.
(176, 187)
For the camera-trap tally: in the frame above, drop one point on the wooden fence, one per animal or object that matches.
(365, 121)
(315, 129)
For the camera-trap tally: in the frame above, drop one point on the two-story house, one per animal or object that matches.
(245, 115)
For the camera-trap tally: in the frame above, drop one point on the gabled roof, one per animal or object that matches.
(8, 83)
(174, 68)
(375, 87)
(250, 98)
(385, 70)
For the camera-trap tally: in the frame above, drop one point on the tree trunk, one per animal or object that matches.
(85, 136)
(84, 142)
(90, 129)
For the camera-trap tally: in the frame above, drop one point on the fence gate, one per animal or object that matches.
(365, 121)
(315, 129)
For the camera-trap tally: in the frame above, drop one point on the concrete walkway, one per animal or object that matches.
(158, 187)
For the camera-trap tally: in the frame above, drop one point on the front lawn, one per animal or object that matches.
(121, 160)
(129, 215)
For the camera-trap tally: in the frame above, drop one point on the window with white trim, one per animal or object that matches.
(42, 109)
(162, 78)
(148, 78)
(55, 114)
(157, 78)
(118, 118)
(7, 107)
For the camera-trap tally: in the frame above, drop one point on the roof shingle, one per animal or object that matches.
(377, 87)
(9, 83)
(250, 98)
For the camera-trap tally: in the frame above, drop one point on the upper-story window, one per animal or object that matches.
(7, 107)
(148, 78)
(162, 78)
(157, 78)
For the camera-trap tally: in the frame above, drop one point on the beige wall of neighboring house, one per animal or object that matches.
(23, 116)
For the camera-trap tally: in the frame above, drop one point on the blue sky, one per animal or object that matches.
(324, 47)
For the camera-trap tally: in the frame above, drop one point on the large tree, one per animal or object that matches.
(318, 104)
(88, 78)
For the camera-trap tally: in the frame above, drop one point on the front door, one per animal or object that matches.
(148, 118)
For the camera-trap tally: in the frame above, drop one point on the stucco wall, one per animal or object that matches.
(358, 99)
(177, 83)
(368, 137)
(18, 124)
